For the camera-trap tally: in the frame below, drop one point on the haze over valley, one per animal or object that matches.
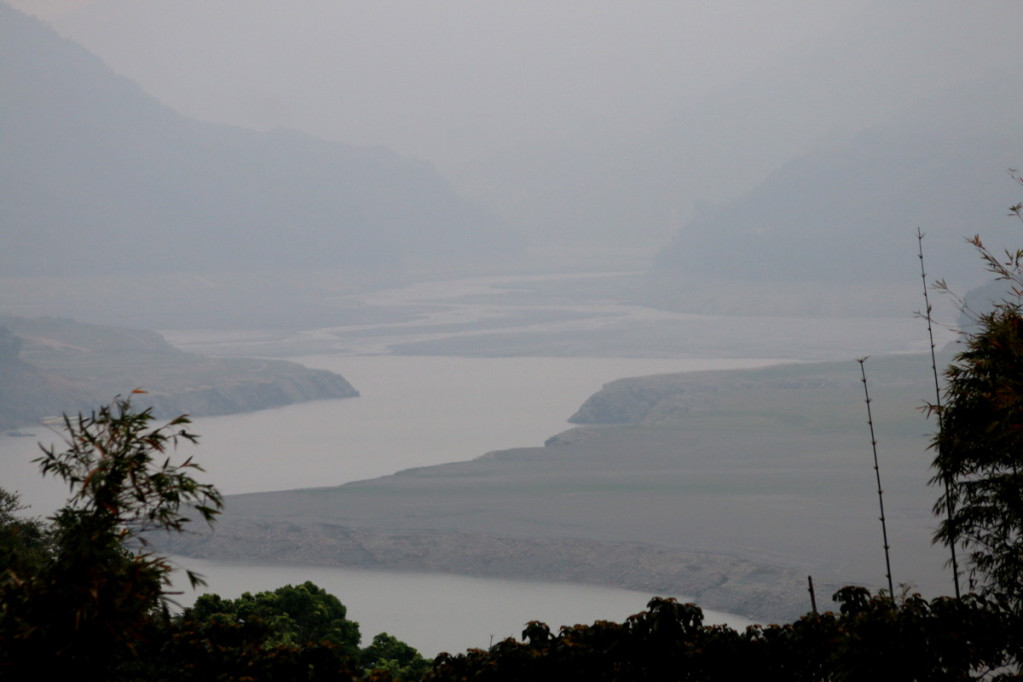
(567, 292)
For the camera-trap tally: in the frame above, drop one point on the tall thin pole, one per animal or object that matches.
(937, 405)
(877, 472)
(813, 595)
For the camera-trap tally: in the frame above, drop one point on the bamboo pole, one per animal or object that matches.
(937, 404)
(877, 472)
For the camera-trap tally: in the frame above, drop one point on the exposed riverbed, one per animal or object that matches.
(460, 369)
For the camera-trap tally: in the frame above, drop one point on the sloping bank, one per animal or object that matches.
(717, 581)
(725, 487)
(50, 366)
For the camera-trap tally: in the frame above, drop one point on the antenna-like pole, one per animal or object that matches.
(937, 405)
(813, 595)
(877, 471)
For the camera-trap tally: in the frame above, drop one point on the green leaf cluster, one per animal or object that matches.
(83, 601)
(872, 637)
(83, 597)
(979, 451)
(979, 445)
(301, 617)
(290, 616)
(25, 543)
(387, 656)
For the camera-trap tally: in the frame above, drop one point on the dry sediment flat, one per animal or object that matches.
(729, 487)
(768, 593)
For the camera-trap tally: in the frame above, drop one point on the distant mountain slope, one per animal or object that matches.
(96, 176)
(849, 211)
(58, 365)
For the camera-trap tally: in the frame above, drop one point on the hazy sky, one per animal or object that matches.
(508, 98)
(456, 80)
(439, 79)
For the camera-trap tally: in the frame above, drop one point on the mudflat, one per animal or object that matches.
(729, 487)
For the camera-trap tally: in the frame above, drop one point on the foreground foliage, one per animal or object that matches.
(291, 615)
(82, 597)
(87, 603)
(25, 544)
(302, 617)
(979, 452)
(871, 638)
(979, 445)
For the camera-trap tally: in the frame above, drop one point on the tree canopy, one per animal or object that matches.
(85, 605)
(292, 615)
(980, 452)
(979, 445)
(82, 596)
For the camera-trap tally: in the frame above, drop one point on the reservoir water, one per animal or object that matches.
(420, 410)
(436, 612)
(413, 411)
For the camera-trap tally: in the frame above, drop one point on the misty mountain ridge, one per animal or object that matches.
(96, 176)
(813, 95)
(848, 212)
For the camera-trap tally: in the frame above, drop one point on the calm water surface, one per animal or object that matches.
(419, 411)
(413, 411)
(435, 612)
